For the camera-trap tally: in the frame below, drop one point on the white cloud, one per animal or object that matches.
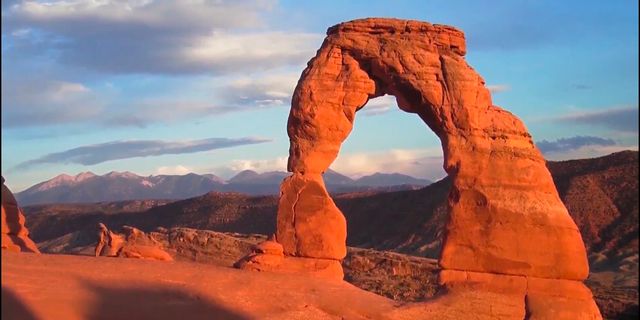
(495, 88)
(278, 164)
(143, 113)
(249, 51)
(230, 95)
(620, 119)
(261, 90)
(63, 89)
(222, 39)
(21, 32)
(590, 151)
(234, 166)
(379, 105)
(173, 170)
(423, 163)
(37, 101)
(117, 150)
(32, 101)
(562, 145)
(189, 14)
(158, 37)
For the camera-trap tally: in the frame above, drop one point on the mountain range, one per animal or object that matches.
(88, 187)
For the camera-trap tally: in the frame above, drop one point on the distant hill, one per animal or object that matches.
(88, 187)
(602, 196)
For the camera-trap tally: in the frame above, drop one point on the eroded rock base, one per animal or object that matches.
(494, 296)
(269, 256)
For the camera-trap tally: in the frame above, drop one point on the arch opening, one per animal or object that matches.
(385, 142)
(386, 139)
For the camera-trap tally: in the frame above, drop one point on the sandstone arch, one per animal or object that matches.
(507, 223)
(506, 216)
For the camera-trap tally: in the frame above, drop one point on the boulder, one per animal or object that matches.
(135, 243)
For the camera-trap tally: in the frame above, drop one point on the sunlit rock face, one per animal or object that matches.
(506, 216)
(508, 234)
(15, 236)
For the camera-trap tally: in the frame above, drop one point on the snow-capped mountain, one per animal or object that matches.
(118, 186)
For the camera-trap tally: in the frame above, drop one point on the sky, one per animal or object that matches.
(171, 87)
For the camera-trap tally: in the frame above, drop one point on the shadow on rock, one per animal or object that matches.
(13, 308)
(155, 303)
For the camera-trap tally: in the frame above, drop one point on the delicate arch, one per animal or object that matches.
(505, 214)
(511, 249)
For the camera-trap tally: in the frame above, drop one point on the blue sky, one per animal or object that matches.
(170, 87)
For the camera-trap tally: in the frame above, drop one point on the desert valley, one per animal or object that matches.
(508, 232)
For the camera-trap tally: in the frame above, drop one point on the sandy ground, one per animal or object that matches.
(79, 287)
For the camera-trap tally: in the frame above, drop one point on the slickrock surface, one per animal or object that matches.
(506, 218)
(397, 276)
(81, 287)
(15, 236)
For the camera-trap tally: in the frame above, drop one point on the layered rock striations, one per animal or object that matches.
(15, 236)
(508, 234)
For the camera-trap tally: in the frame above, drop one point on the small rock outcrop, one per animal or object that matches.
(511, 249)
(133, 243)
(15, 236)
(269, 256)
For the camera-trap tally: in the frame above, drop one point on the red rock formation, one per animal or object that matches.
(269, 256)
(139, 245)
(506, 217)
(15, 236)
